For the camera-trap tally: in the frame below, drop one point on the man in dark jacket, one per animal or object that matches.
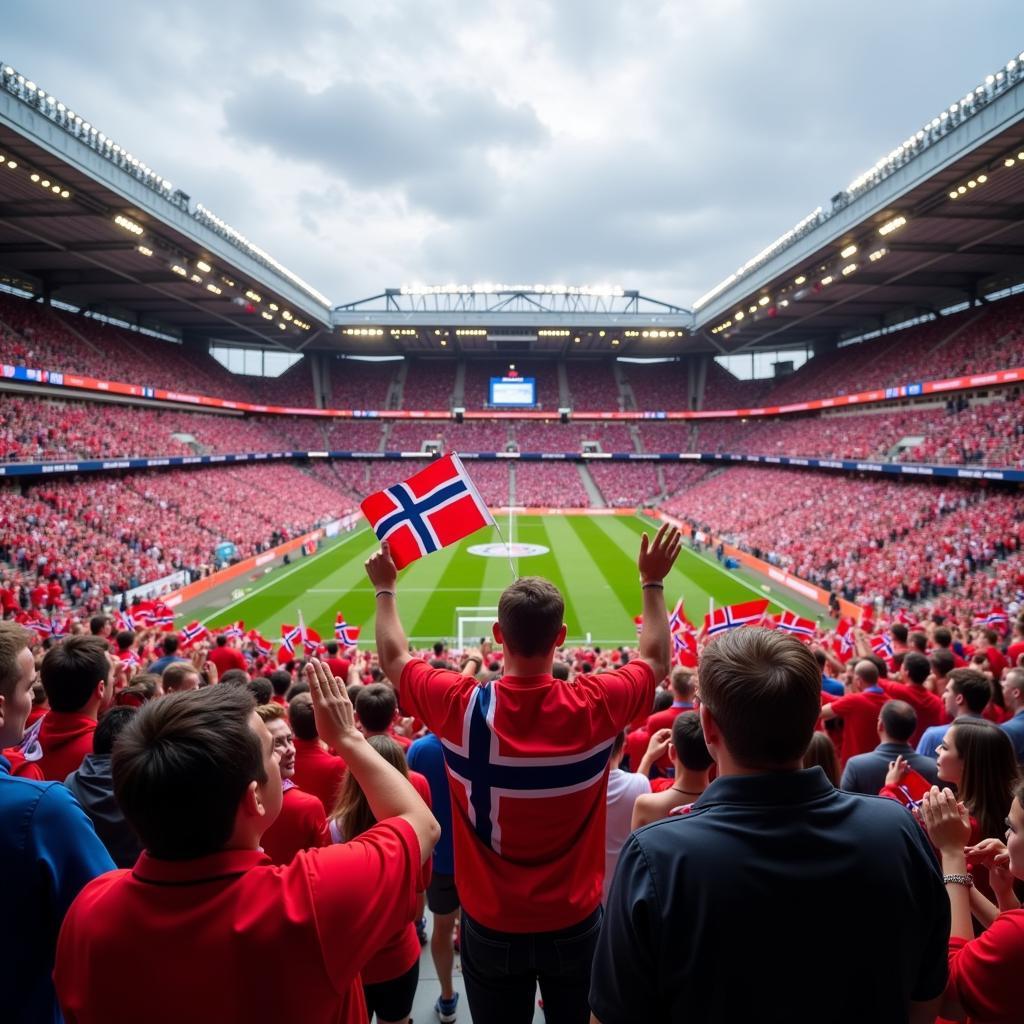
(866, 773)
(93, 787)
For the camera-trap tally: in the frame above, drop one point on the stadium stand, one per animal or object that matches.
(657, 386)
(593, 386)
(479, 374)
(545, 484)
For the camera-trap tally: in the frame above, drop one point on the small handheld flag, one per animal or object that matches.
(732, 616)
(347, 634)
(437, 507)
(802, 629)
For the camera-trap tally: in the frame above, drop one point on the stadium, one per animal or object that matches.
(837, 428)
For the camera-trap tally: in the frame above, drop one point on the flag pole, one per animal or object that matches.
(508, 550)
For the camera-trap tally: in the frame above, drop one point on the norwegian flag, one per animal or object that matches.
(882, 646)
(843, 643)
(193, 632)
(437, 507)
(235, 631)
(347, 634)
(124, 620)
(732, 616)
(802, 629)
(41, 627)
(996, 618)
(264, 646)
(142, 613)
(684, 647)
(58, 628)
(162, 616)
(677, 619)
(290, 636)
(638, 621)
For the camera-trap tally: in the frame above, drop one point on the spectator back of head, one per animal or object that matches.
(763, 690)
(72, 670)
(899, 720)
(376, 705)
(530, 614)
(279, 682)
(917, 667)
(688, 741)
(261, 689)
(110, 726)
(300, 714)
(181, 767)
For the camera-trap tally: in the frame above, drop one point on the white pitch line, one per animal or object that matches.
(418, 590)
(274, 579)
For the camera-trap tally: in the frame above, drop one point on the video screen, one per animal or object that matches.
(516, 392)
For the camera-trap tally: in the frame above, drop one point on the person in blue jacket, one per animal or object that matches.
(48, 852)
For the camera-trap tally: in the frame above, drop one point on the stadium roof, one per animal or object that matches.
(937, 222)
(108, 233)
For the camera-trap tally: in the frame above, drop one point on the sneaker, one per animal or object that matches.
(421, 930)
(446, 1009)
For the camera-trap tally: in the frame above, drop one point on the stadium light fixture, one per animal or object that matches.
(827, 280)
(273, 307)
(179, 270)
(763, 301)
(128, 224)
(196, 279)
(12, 164)
(203, 266)
(145, 250)
(266, 315)
(954, 194)
(739, 315)
(849, 269)
(253, 296)
(213, 288)
(892, 225)
(877, 255)
(800, 280)
(962, 189)
(848, 251)
(615, 342)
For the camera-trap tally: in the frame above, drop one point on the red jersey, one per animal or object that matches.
(527, 761)
(928, 706)
(339, 667)
(859, 712)
(227, 658)
(59, 745)
(996, 662)
(664, 720)
(301, 825)
(216, 917)
(636, 747)
(984, 972)
(318, 771)
(1013, 652)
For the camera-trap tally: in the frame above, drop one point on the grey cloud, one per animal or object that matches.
(434, 146)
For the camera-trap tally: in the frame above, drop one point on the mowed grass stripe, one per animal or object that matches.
(600, 578)
(464, 571)
(535, 531)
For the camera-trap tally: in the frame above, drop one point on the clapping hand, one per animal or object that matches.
(992, 854)
(946, 820)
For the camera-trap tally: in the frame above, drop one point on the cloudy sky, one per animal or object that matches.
(652, 145)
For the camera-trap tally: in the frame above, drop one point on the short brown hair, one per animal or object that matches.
(376, 705)
(300, 715)
(13, 640)
(72, 669)
(530, 614)
(176, 673)
(763, 689)
(182, 766)
(271, 712)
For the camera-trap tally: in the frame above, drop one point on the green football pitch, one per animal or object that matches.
(591, 559)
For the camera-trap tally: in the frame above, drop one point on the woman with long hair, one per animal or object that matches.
(821, 753)
(391, 976)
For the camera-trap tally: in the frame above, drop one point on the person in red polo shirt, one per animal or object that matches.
(338, 665)
(859, 711)
(317, 770)
(302, 823)
(197, 778)
(927, 706)
(225, 656)
(78, 677)
(528, 758)
(683, 681)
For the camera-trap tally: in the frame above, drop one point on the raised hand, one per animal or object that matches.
(947, 821)
(657, 558)
(897, 769)
(332, 710)
(381, 568)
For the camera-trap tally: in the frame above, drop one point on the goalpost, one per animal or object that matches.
(469, 615)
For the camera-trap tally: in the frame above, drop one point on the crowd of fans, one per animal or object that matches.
(316, 802)
(101, 537)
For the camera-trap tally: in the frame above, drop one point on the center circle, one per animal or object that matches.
(508, 550)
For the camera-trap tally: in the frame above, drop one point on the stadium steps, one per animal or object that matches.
(627, 400)
(66, 325)
(512, 483)
(593, 491)
(459, 387)
(564, 396)
(634, 433)
(396, 390)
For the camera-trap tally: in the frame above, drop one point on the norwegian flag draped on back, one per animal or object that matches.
(732, 616)
(802, 629)
(347, 634)
(436, 507)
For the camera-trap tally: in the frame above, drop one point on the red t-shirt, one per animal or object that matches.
(1013, 652)
(929, 707)
(996, 662)
(339, 667)
(984, 973)
(227, 658)
(63, 740)
(318, 771)
(217, 919)
(527, 761)
(859, 712)
(301, 825)
(636, 747)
